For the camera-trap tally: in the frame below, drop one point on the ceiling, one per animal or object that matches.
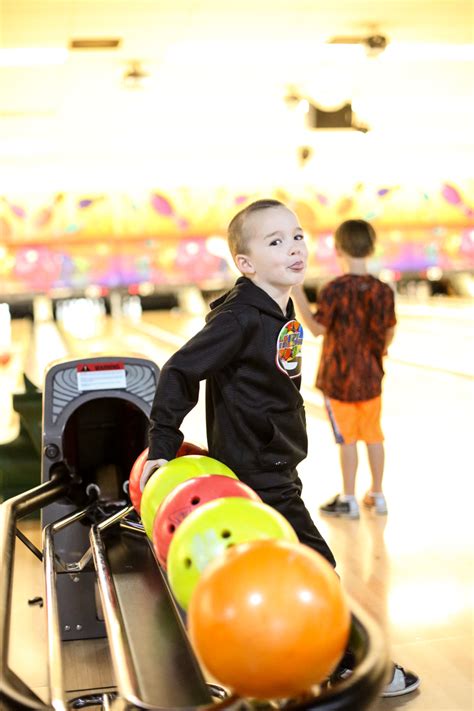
(147, 24)
(213, 107)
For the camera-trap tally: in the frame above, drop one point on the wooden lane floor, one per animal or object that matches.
(412, 570)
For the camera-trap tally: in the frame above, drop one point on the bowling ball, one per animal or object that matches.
(210, 530)
(186, 498)
(5, 358)
(134, 489)
(268, 619)
(164, 480)
(190, 448)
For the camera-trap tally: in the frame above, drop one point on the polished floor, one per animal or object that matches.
(412, 570)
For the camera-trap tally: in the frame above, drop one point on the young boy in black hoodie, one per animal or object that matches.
(249, 354)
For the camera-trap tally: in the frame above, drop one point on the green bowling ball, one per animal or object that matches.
(164, 480)
(210, 530)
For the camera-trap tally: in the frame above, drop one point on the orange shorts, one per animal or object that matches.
(352, 421)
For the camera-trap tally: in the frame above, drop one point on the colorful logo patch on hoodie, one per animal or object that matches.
(290, 340)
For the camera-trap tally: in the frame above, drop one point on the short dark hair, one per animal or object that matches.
(356, 238)
(236, 234)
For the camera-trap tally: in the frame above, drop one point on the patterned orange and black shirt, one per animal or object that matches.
(356, 310)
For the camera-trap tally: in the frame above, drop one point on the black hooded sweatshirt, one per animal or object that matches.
(249, 353)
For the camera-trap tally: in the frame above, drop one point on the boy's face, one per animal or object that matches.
(276, 255)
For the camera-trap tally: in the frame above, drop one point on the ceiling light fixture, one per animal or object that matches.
(323, 119)
(341, 118)
(135, 77)
(95, 43)
(374, 43)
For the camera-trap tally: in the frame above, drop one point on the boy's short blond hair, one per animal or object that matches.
(356, 238)
(237, 235)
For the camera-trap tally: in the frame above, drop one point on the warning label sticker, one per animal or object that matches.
(101, 376)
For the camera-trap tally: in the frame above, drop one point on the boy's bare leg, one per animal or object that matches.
(376, 454)
(349, 461)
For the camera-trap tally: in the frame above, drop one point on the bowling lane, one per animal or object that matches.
(11, 376)
(438, 335)
(33, 347)
(429, 336)
(119, 335)
(413, 569)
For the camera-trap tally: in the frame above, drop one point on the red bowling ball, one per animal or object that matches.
(134, 490)
(190, 448)
(185, 499)
(5, 358)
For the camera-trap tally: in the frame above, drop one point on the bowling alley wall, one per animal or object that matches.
(72, 240)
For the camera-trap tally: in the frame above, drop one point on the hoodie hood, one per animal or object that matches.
(246, 293)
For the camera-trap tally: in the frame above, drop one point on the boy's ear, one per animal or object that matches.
(244, 264)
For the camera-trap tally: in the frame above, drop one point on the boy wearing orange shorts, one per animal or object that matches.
(356, 315)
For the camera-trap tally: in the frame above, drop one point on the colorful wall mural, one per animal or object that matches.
(113, 240)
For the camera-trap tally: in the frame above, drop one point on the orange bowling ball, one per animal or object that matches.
(269, 619)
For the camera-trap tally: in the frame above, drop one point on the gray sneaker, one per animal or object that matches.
(403, 682)
(375, 502)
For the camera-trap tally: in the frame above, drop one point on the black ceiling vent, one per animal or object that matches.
(95, 43)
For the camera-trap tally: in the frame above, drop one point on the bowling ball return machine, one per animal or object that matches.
(101, 578)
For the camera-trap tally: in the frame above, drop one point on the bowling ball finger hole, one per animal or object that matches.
(195, 500)
(226, 534)
(171, 528)
(188, 562)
